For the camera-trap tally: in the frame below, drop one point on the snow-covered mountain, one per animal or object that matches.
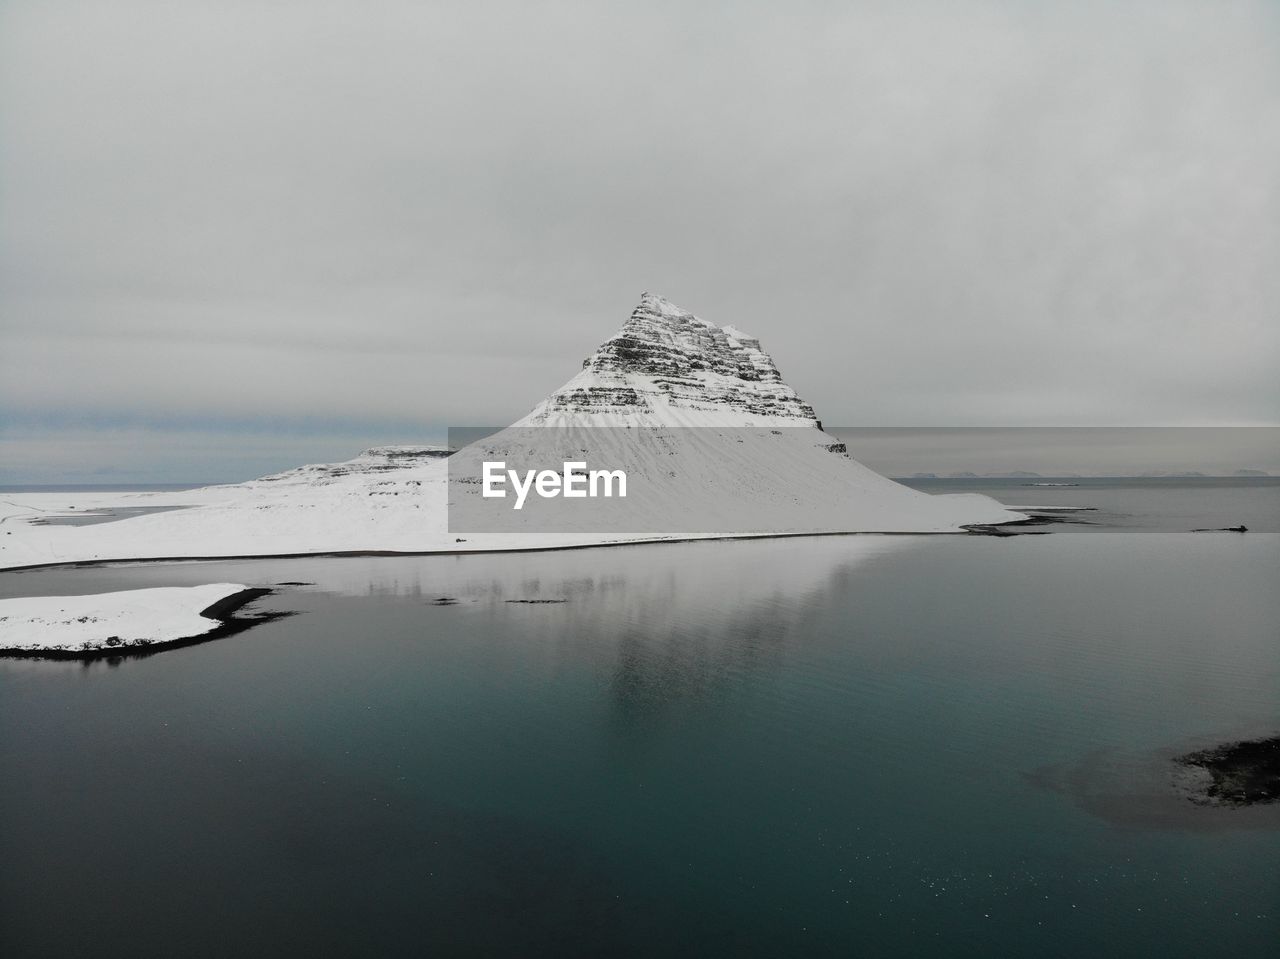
(720, 442)
(667, 367)
(713, 442)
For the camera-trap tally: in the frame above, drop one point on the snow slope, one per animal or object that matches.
(700, 415)
(709, 394)
(108, 621)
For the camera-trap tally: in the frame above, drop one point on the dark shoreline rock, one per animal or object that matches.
(1035, 516)
(1003, 529)
(1243, 773)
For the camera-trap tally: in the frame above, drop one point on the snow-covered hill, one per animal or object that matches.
(709, 397)
(376, 459)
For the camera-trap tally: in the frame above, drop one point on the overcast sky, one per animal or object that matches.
(239, 236)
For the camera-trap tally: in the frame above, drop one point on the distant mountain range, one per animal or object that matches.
(1027, 474)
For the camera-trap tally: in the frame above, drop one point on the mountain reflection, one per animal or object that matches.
(660, 624)
(668, 627)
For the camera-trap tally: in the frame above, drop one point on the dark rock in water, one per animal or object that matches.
(444, 601)
(1017, 527)
(294, 583)
(1224, 529)
(1240, 774)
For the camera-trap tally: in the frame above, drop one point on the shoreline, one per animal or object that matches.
(221, 612)
(353, 553)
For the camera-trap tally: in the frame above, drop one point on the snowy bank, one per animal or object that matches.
(116, 622)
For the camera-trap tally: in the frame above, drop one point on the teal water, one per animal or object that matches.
(1163, 504)
(867, 746)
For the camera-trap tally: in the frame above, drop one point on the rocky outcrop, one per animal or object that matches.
(669, 367)
(1235, 774)
(376, 459)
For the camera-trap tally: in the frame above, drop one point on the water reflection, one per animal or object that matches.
(670, 622)
(772, 748)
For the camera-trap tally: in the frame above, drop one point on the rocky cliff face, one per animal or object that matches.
(667, 367)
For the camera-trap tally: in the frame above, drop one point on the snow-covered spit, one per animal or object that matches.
(665, 369)
(113, 622)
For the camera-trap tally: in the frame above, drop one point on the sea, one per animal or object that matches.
(896, 746)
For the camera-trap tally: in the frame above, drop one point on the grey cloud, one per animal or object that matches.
(974, 213)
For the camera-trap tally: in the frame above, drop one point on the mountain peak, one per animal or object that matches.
(668, 367)
(656, 307)
(656, 303)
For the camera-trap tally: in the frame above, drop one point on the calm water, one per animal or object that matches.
(845, 746)
(1136, 504)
